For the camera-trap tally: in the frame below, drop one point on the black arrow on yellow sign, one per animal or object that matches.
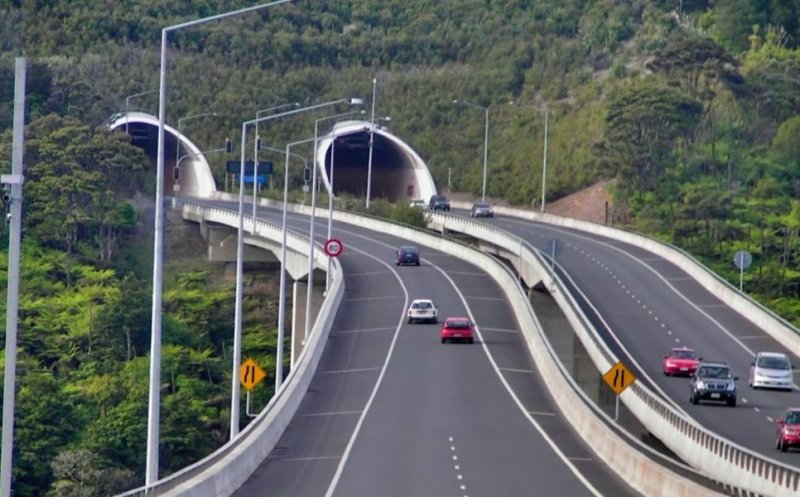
(619, 378)
(250, 374)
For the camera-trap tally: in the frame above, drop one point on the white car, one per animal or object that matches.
(771, 370)
(423, 310)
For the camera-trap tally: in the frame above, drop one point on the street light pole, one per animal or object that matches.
(239, 257)
(256, 145)
(485, 140)
(180, 134)
(544, 159)
(371, 139)
(330, 200)
(154, 400)
(128, 104)
(544, 153)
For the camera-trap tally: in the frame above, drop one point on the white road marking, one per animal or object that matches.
(365, 330)
(500, 330)
(332, 413)
(340, 371)
(515, 370)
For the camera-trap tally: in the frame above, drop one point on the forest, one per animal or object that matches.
(690, 107)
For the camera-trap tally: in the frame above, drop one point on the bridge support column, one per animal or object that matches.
(299, 292)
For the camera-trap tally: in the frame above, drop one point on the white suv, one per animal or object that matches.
(423, 310)
(771, 370)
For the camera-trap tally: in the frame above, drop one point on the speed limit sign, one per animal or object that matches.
(333, 247)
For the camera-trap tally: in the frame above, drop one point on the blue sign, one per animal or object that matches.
(261, 179)
(235, 167)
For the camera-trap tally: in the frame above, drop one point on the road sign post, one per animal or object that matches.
(618, 378)
(742, 259)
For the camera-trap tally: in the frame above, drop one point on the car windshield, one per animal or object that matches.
(773, 362)
(793, 418)
(421, 305)
(714, 372)
(458, 323)
(683, 354)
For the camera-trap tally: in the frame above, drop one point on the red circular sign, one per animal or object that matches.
(333, 247)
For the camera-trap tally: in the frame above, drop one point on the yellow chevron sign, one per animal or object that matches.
(619, 378)
(250, 374)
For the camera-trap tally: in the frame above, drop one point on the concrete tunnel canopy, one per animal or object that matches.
(398, 172)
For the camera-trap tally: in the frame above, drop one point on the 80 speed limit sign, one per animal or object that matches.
(333, 247)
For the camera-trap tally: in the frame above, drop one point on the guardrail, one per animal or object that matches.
(222, 472)
(226, 469)
(638, 470)
(715, 456)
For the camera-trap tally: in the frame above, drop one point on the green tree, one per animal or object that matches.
(644, 121)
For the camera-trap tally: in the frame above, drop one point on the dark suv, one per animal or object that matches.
(439, 203)
(713, 381)
(408, 254)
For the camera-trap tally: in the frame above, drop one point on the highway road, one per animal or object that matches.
(650, 305)
(393, 412)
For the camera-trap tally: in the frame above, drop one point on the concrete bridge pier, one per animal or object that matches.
(300, 293)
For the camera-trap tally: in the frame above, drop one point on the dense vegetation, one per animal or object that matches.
(692, 106)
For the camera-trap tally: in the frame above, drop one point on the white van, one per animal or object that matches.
(772, 370)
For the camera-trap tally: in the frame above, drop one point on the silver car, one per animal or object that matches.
(771, 370)
(481, 209)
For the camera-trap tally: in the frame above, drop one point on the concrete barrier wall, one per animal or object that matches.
(638, 470)
(225, 470)
(715, 456)
(222, 472)
(777, 327)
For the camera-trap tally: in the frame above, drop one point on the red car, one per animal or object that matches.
(788, 429)
(460, 329)
(681, 361)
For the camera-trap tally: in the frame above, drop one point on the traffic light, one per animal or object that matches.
(228, 145)
(258, 143)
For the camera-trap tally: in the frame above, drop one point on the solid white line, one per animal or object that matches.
(556, 449)
(335, 413)
(514, 370)
(500, 330)
(365, 330)
(318, 458)
(365, 273)
(340, 371)
(360, 422)
(357, 299)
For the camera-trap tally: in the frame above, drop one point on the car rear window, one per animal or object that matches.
(421, 305)
(458, 324)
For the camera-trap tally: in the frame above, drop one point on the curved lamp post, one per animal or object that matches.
(485, 140)
(154, 400)
(256, 146)
(128, 104)
(240, 258)
(180, 133)
(544, 153)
